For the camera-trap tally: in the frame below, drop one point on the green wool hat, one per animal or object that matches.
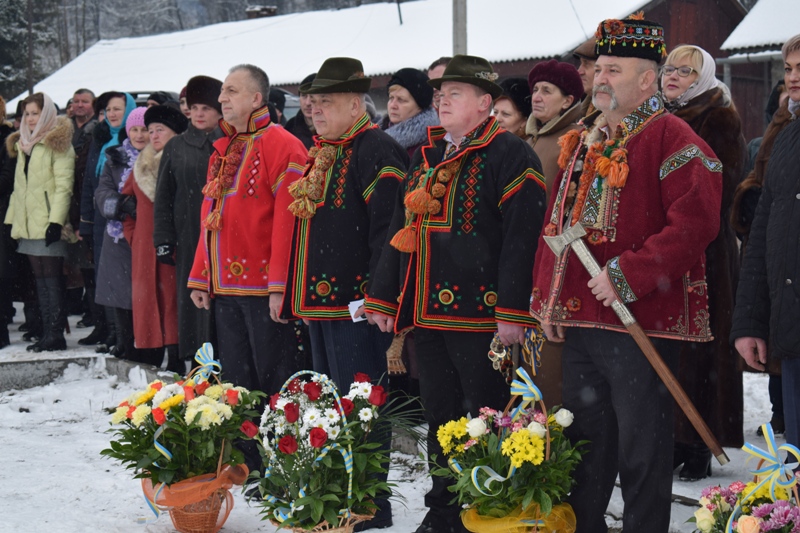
(470, 69)
(338, 75)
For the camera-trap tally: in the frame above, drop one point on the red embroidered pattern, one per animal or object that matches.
(470, 192)
(338, 199)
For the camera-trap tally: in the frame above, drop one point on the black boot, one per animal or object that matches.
(111, 331)
(696, 464)
(100, 331)
(54, 316)
(42, 304)
(174, 362)
(33, 321)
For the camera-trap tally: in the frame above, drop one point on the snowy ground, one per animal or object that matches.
(55, 479)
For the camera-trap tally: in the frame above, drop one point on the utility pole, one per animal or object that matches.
(459, 27)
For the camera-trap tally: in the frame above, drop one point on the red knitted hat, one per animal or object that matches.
(562, 75)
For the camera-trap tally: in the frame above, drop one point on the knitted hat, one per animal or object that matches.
(562, 75)
(470, 69)
(516, 90)
(631, 37)
(135, 118)
(168, 116)
(415, 82)
(183, 93)
(306, 83)
(339, 75)
(277, 98)
(204, 90)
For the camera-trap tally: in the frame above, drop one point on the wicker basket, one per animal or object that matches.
(203, 516)
(345, 525)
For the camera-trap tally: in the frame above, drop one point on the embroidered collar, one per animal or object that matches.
(479, 136)
(361, 125)
(259, 120)
(635, 121)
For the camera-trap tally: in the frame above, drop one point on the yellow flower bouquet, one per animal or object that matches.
(512, 469)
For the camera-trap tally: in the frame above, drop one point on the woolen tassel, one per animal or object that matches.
(568, 143)
(213, 221)
(405, 240)
(417, 201)
(602, 165)
(303, 208)
(213, 190)
(622, 177)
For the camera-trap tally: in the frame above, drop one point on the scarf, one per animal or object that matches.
(794, 107)
(706, 81)
(414, 131)
(114, 227)
(130, 105)
(47, 121)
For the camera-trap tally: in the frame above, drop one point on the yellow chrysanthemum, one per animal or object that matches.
(214, 391)
(119, 415)
(452, 430)
(140, 414)
(171, 402)
(763, 492)
(522, 447)
(145, 396)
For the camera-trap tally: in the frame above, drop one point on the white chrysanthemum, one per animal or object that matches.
(365, 414)
(167, 392)
(334, 431)
(279, 405)
(225, 411)
(140, 414)
(227, 386)
(360, 390)
(331, 416)
(120, 414)
(312, 417)
(214, 391)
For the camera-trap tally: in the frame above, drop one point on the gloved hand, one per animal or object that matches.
(52, 234)
(164, 254)
(127, 207)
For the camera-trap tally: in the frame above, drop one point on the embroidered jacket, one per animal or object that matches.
(334, 253)
(244, 243)
(650, 233)
(472, 259)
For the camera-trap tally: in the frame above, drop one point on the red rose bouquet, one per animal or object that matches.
(322, 454)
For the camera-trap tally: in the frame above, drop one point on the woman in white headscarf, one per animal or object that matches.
(709, 371)
(39, 207)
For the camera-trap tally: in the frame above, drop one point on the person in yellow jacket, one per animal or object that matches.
(39, 206)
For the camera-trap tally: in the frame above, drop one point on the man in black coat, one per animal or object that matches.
(181, 177)
(301, 125)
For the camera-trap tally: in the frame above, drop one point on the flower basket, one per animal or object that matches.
(346, 525)
(530, 448)
(202, 517)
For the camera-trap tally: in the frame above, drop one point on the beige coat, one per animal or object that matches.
(42, 197)
(544, 139)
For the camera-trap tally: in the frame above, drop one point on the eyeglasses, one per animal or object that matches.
(682, 71)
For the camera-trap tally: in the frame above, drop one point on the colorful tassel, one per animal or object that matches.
(417, 201)
(303, 207)
(213, 190)
(405, 240)
(568, 143)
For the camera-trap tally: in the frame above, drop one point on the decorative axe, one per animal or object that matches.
(572, 237)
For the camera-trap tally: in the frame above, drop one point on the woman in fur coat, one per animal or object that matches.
(709, 371)
(409, 109)
(39, 206)
(155, 307)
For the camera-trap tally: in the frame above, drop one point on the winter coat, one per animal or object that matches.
(155, 308)
(42, 182)
(244, 249)
(114, 265)
(81, 143)
(708, 371)
(544, 139)
(179, 197)
(413, 132)
(768, 296)
(297, 126)
(9, 259)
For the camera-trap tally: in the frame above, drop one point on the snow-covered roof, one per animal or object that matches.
(769, 24)
(289, 47)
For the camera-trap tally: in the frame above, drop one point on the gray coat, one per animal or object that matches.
(114, 270)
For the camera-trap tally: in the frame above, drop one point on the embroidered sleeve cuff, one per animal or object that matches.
(278, 286)
(513, 316)
(624, 291)
(379, 306)
(200, 285)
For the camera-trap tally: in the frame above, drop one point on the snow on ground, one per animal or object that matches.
(56, 480)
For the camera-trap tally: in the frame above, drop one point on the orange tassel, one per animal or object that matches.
(213, 190)
(438, 190)
(213, 221)
(434, 206)
(613, 174)
(602, 165)
(623, 175)
(417, 201)
(568, 143)
(405, 240)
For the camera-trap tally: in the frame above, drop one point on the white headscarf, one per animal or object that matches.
(47, 121)
(706, 80)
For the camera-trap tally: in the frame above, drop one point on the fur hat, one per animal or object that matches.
(168, 116)
(470, 69)
(516, 90)
(415, 82)
(135, 118)
(277, 98)
(204, 90)
(631, 37)
(562, 75)
(339, 75)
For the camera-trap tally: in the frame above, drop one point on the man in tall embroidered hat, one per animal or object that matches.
(342, 207)
(650, 233)
(243, 249)
(459, 262)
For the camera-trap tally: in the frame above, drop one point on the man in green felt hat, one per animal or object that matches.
(458, 267)
(342, 207)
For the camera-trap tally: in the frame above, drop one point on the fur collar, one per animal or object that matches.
(145, 171)
(59, 139)
(414, 131)
(555, 124)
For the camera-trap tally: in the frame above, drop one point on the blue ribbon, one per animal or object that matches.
(530, 393)
(152, 505)
(208, 365)
(492, 477)
(774, 471)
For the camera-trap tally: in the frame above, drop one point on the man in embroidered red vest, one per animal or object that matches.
(242, 254)
(342, 206)
(648, 192)
(460, 258)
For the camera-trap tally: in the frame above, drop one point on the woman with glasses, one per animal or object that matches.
(709, 371)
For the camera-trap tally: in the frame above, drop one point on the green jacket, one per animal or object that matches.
(43, 195)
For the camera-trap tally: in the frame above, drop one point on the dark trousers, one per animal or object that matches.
(626, 413)
(790, 375)
(455, 378)
(255, 352)
(340, 348)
